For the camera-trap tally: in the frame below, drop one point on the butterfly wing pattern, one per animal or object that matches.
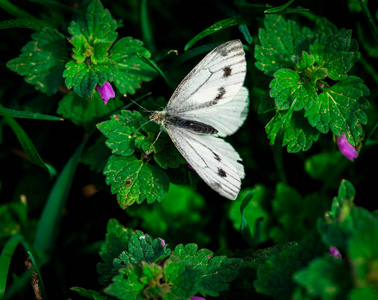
(208, 104)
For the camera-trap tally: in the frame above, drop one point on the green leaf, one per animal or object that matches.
(325, 278)
(135, 180)
(127, 285)
(281, 44)
(166, 154)
(83, 111)
(298, 134)
(190, 252)
(118, 130)
(345, 220)
(341, 108)
(261, 256)
(132, 71)
(214, 28)
(253, 211)
(287, 86)
(93, 34)
(305, 62)
(182, 279)
(337, 53)
(116, 241)
(42, 60)
(142, 248)
(83, 77)
(218, 271)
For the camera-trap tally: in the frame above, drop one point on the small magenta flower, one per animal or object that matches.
(106, 91)
(334, 252)
(346, 148)
(162, 241)
(197, 298)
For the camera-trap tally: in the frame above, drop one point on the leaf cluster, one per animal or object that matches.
(96, 57)
(129, 170)
(311, 88)
(137, 267)
(306, 271)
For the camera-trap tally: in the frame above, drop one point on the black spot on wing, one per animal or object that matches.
(221, 92)
(216, 156)
(222, 173)
(227, 71)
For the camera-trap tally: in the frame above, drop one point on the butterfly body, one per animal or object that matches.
(208, 104)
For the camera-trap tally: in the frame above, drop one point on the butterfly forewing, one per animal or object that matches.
(215, 80)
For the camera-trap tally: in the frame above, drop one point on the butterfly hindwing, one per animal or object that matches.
(212, 158)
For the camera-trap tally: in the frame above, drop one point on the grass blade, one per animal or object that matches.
(5, 259)
(278, 8)
(244, 226)
(27, 115)
(51, 215)
(27, 144)
(214, 28)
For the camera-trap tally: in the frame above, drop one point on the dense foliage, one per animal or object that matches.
(93, 206)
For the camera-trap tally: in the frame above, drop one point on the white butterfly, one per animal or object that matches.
(210, 103)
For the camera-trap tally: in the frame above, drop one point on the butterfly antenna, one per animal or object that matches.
(154, 140)
(144, 109)
(139, 128)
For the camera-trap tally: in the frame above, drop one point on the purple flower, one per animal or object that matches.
(345, 148)
(162, 241)
(197, 298)
(334, 252)
(106, 91)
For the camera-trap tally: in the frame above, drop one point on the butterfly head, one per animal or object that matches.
(159, 117)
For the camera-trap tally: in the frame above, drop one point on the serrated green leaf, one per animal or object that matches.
(127, 284)
(119, 129)
(135, 180)
(42, 60)
(190, 252)
(336, 52)
(82, 111)
(305, 62)
(341, 109)
(299, 135)
(323, 26)
(281, 44)
(219, 273)
(83, 77)
(182, 279)
(287, 86)
(93, 34)
(141, 247)
(131, 70)
(116, 241)
(260, 256)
